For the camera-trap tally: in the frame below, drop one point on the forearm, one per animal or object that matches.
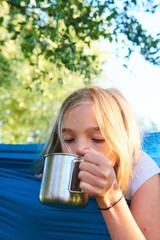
(120, 221)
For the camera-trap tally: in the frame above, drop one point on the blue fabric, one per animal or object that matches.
(23, 217)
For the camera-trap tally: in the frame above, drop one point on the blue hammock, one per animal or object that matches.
(23, 217)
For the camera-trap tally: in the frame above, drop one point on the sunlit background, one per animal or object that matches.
(140, 81)
(50, 48)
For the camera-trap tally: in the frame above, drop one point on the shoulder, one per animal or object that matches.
(144, 170)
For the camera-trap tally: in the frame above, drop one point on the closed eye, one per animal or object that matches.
(69, 140)
(98, 140)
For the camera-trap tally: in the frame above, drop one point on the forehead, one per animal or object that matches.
(81, 113)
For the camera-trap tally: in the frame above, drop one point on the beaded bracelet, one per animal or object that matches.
(111, 205)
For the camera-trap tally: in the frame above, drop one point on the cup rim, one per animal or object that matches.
(65, 154)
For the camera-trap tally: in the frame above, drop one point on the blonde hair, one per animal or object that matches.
(117, 124)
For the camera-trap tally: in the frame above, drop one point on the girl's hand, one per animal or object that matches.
(97, 174)
(38, 175)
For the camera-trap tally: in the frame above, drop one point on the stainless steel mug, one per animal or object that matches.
(60, 182)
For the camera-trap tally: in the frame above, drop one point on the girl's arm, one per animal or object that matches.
(147, 211)
(142, 220)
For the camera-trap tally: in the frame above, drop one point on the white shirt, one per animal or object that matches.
(144, 170)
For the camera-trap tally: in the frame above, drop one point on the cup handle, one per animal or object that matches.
(74, 180)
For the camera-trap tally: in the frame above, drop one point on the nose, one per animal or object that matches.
(80, 147)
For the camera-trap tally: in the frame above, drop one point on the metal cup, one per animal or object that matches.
(60, 182)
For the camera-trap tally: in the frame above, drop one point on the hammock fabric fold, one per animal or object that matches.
(23, 217)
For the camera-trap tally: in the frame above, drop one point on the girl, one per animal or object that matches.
(98, 124)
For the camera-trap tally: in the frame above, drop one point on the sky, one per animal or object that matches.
(140, 83)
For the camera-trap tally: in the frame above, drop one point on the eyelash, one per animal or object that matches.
(98, 140)
(69, 140)
(93, 139)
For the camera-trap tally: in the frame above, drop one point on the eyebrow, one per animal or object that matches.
(88, 130)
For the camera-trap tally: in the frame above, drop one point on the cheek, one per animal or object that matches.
(66, 148)
(63, 147)
(105, 149)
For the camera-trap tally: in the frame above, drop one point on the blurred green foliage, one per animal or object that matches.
(49, 48)
(42, 60)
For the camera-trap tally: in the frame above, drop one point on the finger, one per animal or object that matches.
(90, 155)
(96, 158)
(94, 169)
(38, 175)
(93, 180)
(90, 190)
(87, 166)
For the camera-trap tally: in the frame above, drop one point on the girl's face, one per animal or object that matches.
(80, 131)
